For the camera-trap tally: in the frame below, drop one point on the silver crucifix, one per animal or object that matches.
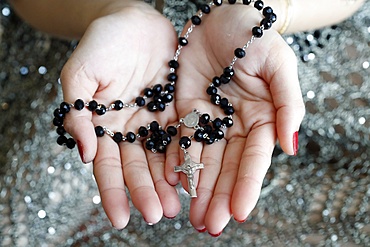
(189, 167)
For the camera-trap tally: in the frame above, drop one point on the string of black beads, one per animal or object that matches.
(156, 138)
(59, 115)
(210, 131)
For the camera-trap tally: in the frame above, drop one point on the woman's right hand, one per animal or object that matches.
(119, 55)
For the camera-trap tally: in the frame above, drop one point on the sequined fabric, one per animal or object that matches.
(319, 198)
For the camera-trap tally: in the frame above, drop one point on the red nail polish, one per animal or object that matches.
(215, 235)
(240, 221)
(295, 142)
(201, 230)
(81, 151)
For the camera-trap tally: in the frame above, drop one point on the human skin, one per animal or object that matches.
(265, 93)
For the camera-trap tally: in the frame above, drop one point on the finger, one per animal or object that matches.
(281, 72)
(255, 161)
(109, 177)
(212, 159)
(139, 182)
(167, 194)
(219, 210)
(78, 123)
(172, 160)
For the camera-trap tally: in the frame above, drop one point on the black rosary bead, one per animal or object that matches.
(157, 89)
(58, 122)
(272, 17)
(79, 104)
(229, 110)
(205, 8)
(173, 64)
(258, 4)
(224, 79)
(172, 77)
(171, 130)
(266, 23)
(92, 105)
(58, 114)
(148, 92)
(64, 107)
(196, 20)
(154, 126)
(61, 131)
(239, 53)
(152, 106)
(211, 138)
(118, 105)
(161, 148)
(267, 11)
(61, 140)
(143, 132)
(183, 41)
(101, 110)
(247, 2)
(198, 135)
(257, 32)
(207, 129)
(149, 144)
(216, 81)
(130, 137)
(217, 2)
(117, 137)
(211, 90)
(232, 1)
(161, 106)
(224, 102)
(70, 143)
(169, 88)
(166, 139)
(185, 142)
(215, 99)
(228, 122)
(204, 118)
(140, 101)
(219, 134)
(217, 123)
(99, 131)
(157, 98)
(167, 98)
(229, 72)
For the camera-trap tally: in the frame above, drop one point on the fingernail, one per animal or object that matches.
(295, 142)
(201, 230)
(240, 221)
(148, 223)
(215, 235)
(81, 151)
(170, 218)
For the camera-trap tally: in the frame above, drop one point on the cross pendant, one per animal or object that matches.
(189, 167)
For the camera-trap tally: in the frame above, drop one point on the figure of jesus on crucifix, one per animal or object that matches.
(189, 167)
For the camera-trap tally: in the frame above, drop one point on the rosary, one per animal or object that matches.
(157, 97)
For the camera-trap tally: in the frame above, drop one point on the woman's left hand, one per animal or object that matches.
(266, 95)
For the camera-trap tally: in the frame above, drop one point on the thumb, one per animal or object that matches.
(78, 92)
(286, 94)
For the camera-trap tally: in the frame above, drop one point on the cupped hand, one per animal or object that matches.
(119, 55)
(266, 95)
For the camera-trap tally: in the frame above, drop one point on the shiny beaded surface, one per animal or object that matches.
(319, 198)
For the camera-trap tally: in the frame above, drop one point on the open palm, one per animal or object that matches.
(268, 105)
(119, 55)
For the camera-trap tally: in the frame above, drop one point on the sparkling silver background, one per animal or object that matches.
(319, 198)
